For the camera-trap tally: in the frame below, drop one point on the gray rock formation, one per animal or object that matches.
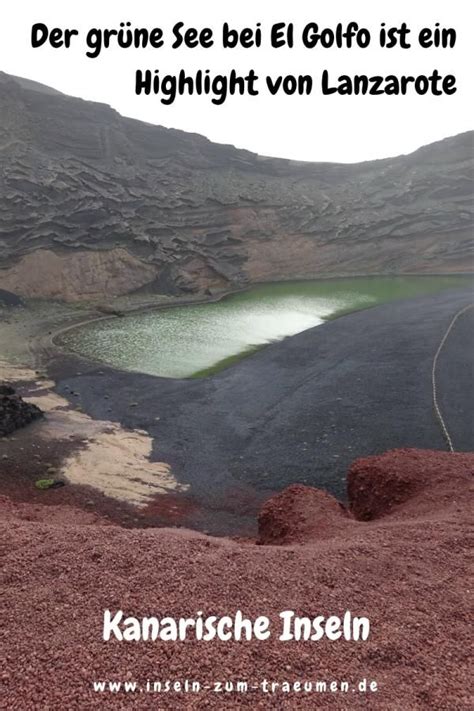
(94, 204)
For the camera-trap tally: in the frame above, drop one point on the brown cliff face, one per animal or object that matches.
(135, 206)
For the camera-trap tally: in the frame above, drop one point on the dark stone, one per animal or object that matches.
(14, 412)
(7, 298)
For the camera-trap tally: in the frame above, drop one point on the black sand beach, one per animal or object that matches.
(298, 411)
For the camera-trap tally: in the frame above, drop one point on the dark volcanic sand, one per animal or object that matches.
(298, 411)
(270, 420)
(407, 571)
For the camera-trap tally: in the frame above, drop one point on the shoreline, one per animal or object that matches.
(177, 302)
(42, 347)
(259, 445)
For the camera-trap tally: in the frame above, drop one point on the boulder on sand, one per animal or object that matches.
(14, 412)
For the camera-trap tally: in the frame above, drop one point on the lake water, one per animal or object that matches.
(196, 340)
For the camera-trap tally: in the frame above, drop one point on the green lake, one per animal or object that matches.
(199, 339)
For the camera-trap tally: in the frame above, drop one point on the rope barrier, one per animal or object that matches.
(436, 406)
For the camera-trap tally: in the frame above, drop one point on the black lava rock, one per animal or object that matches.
(14, 412)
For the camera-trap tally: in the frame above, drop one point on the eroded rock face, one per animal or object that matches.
(78, 274)
(136, 206)
(14, 412)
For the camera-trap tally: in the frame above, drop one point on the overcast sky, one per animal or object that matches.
(326, 128)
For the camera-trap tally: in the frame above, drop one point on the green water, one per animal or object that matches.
(196, 340)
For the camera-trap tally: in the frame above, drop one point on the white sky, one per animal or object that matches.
(326, 128)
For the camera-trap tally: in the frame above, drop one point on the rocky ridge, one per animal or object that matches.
(95, 204)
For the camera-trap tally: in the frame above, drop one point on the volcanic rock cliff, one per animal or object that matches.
(94, 204)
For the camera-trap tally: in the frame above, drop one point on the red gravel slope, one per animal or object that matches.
(406, 569)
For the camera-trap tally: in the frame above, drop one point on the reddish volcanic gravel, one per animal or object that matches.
(407, 571)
